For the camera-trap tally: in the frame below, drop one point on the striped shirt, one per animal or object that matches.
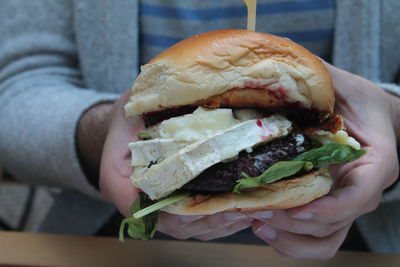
(165, 22)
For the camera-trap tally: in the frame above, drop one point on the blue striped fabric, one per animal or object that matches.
(303, 36)
(222, 12)
(165, 22)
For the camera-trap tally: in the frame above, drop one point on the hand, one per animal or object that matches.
(90, 137)
(316, 230)
(203, 227)
(116, 186)
(115, 168)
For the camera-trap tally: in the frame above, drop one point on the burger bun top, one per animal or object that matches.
(233, 68)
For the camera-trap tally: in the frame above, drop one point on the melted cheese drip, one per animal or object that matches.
(341, 137)
(251, 14)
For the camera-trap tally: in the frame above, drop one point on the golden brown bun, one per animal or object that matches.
(232, 68)
(279, 195)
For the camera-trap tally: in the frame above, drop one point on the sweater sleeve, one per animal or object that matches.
(42, 94)
(393, 192)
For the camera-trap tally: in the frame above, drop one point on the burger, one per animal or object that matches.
(235, 120)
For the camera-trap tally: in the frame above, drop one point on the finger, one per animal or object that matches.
(120, 192)
(165, 219)
(170, 225)
(226, 231)
(301, 246)
(382, 161)
(114, 182)
(115, 168)
(337, 206)
(360, 194)
(282, 221)
(355, 96)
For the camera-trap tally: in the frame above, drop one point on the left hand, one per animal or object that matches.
(316, 230)
(116, 186)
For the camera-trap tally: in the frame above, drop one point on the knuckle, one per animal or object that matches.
(287, 224)
(368, 202)
(210, 224)
(330, 250)
(213, 222)
(373, 204)
(324, 231)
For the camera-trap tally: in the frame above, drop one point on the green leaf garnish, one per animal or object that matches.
(159, 205)
(144, 135)
(330, 154)
(274, 173)
(143, 228)
(143, 223)
(315, 158)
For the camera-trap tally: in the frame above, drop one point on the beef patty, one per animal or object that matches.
(295, 113)
(222, 177)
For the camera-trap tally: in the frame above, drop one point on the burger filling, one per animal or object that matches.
(294, 112)
(210, 150)
(222, 177)
(191, 150)
(198, 141)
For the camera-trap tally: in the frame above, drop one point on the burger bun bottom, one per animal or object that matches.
(285, 194)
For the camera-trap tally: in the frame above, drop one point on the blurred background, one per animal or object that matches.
(23, 206)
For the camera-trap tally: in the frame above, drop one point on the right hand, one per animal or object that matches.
(116, 186)
(317, 229)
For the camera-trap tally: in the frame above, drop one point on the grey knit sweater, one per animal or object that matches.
(58, 58)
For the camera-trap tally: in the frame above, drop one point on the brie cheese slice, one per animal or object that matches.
(174, 171)
(152, 151)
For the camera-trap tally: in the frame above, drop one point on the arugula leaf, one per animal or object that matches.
(330, 154)
(142, 228)
(274, 173)
(315, 158)
(144, 135)
(143, 223)
(159, 205)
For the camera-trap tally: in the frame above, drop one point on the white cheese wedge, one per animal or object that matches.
(340, 137)
(197, 125)
(163, 178)
(154, 150)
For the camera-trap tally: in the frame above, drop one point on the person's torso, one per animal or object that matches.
(114, 38)
(163, 23)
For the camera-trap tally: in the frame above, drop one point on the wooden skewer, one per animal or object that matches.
(251, 14)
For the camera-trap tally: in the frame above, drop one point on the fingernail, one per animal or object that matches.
(267, 214)
(234, 216)
(303, 216)
(267, 231)
(189, 219)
